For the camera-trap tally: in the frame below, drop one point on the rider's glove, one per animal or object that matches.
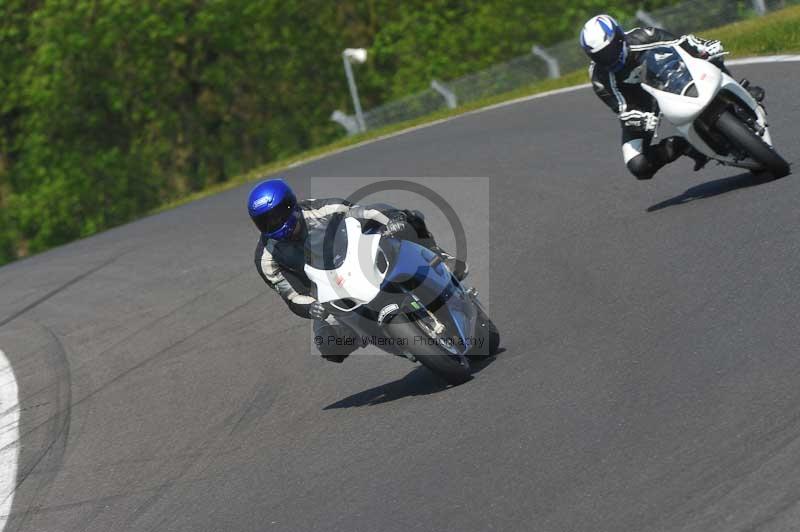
(396, 224)
(651, 122)
(707, 48)
(640, 121)
(712, 49)
(317, 311)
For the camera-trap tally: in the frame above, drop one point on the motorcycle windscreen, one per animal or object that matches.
(665, 70)
(419, 271)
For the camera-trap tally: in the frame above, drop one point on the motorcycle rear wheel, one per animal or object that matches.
(747, 140)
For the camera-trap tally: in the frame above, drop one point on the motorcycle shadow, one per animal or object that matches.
(713, 188)
(419, 381)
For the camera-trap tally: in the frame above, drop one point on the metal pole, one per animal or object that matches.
(553, 70)
(645, 17)
(448, 95)
(348, 70)
(347, 122)
(760, 6)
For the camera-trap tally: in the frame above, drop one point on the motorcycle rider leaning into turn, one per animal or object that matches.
(615, 72)
(285, 223)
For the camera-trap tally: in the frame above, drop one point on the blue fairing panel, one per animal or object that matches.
(412, 261)
(411, 268)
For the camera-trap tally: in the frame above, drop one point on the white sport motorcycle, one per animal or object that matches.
(711, 110)
(399, 296)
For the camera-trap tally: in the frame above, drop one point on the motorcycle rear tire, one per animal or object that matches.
(746, 139)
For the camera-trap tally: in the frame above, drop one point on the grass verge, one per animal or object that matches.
(775, 33)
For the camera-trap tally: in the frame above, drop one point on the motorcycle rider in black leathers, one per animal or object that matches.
(285, 223)
(615, 73)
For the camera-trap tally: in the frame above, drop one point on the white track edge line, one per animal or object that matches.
(744, 61)
(9, 438)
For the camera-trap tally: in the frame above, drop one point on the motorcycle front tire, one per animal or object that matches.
(747, 140)
(434, 357)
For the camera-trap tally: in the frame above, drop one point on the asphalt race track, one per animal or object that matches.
(650, 379)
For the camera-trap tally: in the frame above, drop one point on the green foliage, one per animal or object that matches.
(774, 33)
(427, 39)
(111, 108)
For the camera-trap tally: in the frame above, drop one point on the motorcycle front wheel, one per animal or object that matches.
(748, 141)
(440, 358)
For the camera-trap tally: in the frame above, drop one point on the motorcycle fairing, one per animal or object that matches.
(682, 111)
(421, 272)
(358, 278)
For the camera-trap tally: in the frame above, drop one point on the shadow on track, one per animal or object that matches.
(419, 381)
(713, 188)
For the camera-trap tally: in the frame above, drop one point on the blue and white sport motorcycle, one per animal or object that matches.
(399, 296)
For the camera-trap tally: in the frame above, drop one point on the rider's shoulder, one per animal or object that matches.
(641, 35)
(264, 247)
(318, 203)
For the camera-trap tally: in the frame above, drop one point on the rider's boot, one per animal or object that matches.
(459, 268)
(700, 159)
(755, 91)
(671, 148)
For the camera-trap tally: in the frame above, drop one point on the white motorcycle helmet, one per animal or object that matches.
(603, 40)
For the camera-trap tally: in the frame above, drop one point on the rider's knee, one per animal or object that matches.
(334, 341)
(417, 222)
(641, 168)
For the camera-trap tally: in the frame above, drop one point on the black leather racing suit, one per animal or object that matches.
(281, 263)
(622, 92)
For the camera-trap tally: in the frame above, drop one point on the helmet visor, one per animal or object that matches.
(273, 219)
(611, 54)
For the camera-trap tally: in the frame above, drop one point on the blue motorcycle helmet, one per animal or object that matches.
(273, 208)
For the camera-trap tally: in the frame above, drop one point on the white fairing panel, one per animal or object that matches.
(358, 278)
(680, 110)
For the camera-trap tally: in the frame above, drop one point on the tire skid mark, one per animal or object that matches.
(97, 501)
(777, 441)
(152, 358)
(126, 339)
(213, 446)
(58, 427)
(35, 303)
(9, 458)
(263, 397)
(163, 487)
(155, 356)
(162, 459)
(85, 520)
(259, 405)
(98, 504)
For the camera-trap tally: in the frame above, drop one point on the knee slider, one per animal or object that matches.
(337, 341)
(641, 168)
